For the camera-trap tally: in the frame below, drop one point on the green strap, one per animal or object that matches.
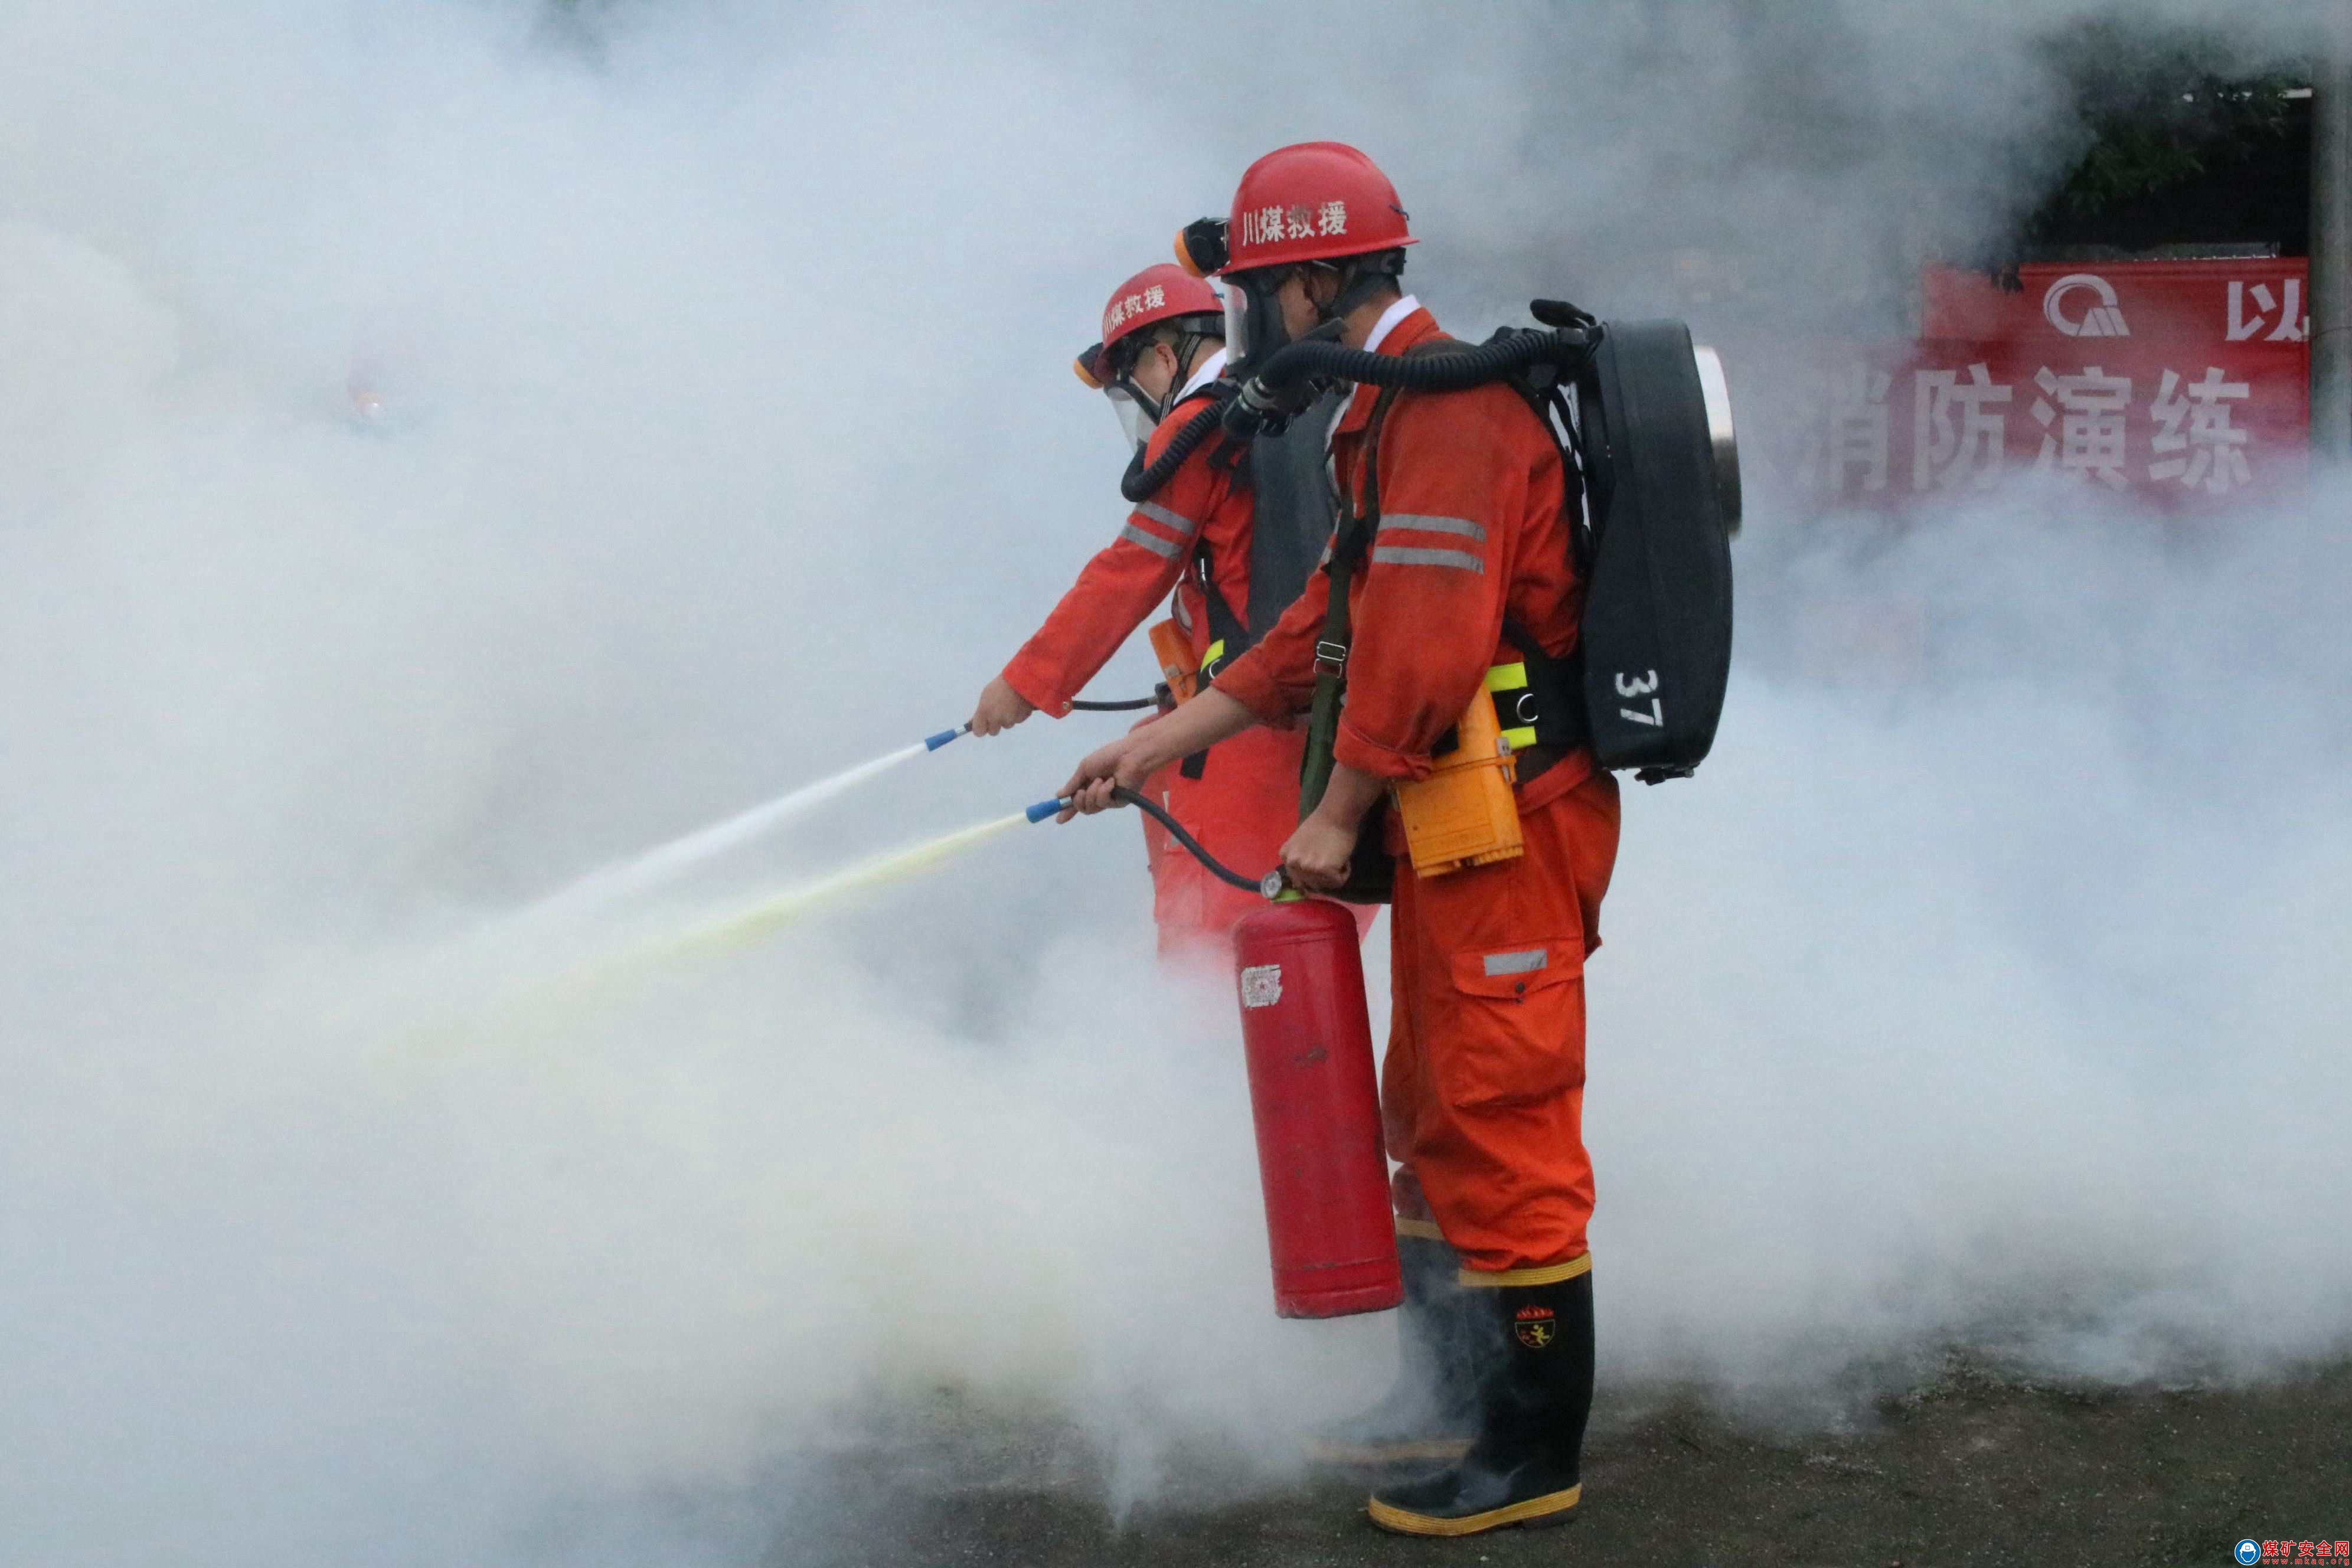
(1348, 542)
(1371, 874)
(1330, 691)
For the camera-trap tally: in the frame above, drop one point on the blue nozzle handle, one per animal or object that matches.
(933, 742)
(1046, 808)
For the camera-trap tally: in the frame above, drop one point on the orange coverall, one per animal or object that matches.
(1246, 801)
(1483, 1089)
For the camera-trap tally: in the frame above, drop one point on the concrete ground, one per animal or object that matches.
(1966, 1472)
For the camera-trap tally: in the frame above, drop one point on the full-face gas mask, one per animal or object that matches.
(1136, 415)
(1112, 374)
(1254, 325)
(1256, 330)
(1112, 370)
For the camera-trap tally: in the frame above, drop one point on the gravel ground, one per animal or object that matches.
(1967, 1471)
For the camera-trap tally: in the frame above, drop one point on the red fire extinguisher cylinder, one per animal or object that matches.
(1308, 1041)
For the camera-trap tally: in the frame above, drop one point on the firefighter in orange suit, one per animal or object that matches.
(1481, 1089)
(1162, 347)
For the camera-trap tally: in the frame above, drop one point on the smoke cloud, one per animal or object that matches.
(445, 446)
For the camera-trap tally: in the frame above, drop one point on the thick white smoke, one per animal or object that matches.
(442, 446)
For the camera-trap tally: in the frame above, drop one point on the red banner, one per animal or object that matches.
(2185, 382)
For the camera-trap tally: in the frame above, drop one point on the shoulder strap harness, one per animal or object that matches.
(1538, 698)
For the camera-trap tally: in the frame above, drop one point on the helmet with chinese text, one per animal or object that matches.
(1316, 201)
(1157, 294)
(1161, 294)
(1321, 206)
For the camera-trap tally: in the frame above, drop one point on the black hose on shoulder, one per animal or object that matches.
(1217, 868)
(1140, 483)
(1267, 397)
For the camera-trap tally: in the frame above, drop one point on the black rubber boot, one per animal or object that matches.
(1523, 1468)
(1431, 1414)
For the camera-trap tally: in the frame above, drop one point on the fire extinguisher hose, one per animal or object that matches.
(1217, 868)
(1134, 704)
(1270, 886)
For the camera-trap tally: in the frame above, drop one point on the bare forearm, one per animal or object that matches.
(1196, 726)
(1143, 751)
(1350, 794)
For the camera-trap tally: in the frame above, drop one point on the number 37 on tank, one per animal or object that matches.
(1630, 686)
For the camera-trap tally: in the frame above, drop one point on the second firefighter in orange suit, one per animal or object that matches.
(1483, 1086)
(1162, 346)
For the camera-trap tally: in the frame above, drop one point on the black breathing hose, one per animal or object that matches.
(1270, 392)
(1140, 483)
(1217, 868)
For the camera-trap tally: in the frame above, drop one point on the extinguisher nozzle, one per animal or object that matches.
(1046, 808)
(933, 742)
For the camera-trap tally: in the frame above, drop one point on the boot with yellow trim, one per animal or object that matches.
(1430, 1415)
(1523, 1469)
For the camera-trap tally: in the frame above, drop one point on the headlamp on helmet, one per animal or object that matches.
(1201, 247)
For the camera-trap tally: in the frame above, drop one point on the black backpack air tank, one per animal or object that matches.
(1663, 491)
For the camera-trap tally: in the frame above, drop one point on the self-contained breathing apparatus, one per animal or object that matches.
(1283, 472)
(1291, 517)
(1642, 420)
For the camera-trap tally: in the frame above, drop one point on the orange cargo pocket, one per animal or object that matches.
(1516, 1028)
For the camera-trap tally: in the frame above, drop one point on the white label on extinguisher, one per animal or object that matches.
(1261, 984)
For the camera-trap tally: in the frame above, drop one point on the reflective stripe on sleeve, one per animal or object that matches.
(1460, 525)
(1175, 520)
(1457, 560)
(1151, 542)
(1523, 962)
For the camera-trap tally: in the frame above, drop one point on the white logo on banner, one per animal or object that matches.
(2104, 320)
(1261, 984)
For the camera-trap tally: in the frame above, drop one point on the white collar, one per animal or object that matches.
(1389, 318)
(1209, 369)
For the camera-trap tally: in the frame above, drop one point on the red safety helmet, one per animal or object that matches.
(1313, 201)
(1154, 295)
(1317, 203)
(1157, 294)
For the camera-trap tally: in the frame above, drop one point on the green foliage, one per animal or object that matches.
(2161, 105)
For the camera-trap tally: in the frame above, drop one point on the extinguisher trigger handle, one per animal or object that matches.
(1276, 887)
